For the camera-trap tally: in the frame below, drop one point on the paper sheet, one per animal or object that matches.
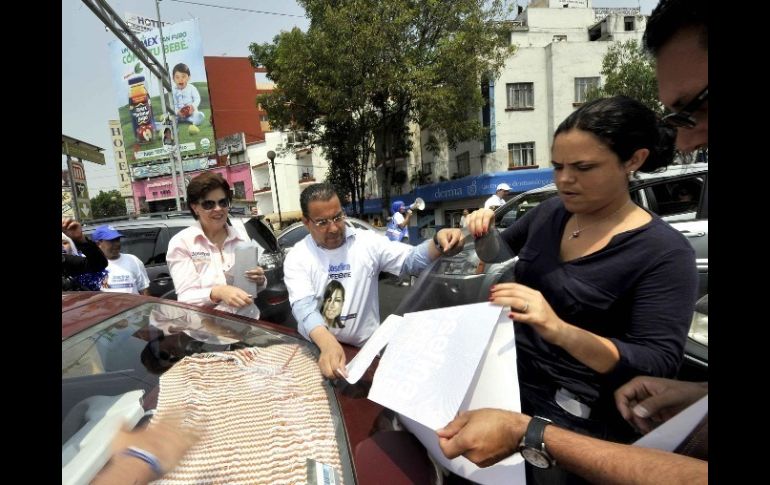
(670, 434)
(495, 385)
(357, 367)
(430, 362)
(246, 258)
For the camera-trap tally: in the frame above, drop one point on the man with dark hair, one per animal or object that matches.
(334, 252)
(677, 36)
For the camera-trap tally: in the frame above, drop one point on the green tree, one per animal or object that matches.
(629, 71)
(108, 204)
(365, 71)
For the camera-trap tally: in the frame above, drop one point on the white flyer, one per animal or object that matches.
(670, 434)
(430, 362)
(495, 385)
(363, 359)
(246, 258)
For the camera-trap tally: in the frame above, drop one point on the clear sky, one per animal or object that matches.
(88, 97)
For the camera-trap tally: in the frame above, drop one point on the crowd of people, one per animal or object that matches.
(602, 300)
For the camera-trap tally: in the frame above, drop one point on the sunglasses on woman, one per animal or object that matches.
(210, 204)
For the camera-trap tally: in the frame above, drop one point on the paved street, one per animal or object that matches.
(390, 296)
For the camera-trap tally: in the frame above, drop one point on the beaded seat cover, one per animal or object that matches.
(263, 413)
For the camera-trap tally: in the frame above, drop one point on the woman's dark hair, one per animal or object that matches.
(330, 289)
(624, 125)
(204, 183)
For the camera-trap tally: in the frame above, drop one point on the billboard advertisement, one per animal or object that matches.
(142, 122)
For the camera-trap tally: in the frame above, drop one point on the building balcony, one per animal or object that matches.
(523, 167)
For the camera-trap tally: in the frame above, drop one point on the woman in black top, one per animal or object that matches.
(604, 290)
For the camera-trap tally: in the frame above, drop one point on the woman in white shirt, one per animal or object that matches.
(200, 257)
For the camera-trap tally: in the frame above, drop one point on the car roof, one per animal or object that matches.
(640, 178)
(183, 220)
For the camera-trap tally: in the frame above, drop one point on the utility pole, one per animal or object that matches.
(176, 155)
(271, 156)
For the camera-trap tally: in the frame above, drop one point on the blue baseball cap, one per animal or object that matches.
(105, 233)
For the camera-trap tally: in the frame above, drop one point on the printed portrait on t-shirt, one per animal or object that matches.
(331, 306)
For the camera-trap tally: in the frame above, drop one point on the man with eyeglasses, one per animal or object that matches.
(677, 36)
(334, 252)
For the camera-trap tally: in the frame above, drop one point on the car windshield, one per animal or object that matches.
(140, 243)
(508, 214)
(292, 237)
(112, 372)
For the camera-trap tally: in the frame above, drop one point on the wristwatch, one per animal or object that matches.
(532, 447)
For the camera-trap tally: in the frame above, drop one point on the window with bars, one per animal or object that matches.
(521, 154)
(583, 85)
(239, 190)
(520, 95)
(628, 23)
(463, 164)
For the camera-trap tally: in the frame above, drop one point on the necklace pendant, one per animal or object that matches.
(575, 234)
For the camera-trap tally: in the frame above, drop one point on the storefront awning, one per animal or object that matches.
(467, 188)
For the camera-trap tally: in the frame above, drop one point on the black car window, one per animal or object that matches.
(677, 196)
(161, 245)
(293, 237)
(141, 243)
(172, 231)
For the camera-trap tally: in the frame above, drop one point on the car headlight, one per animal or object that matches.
(699, 328)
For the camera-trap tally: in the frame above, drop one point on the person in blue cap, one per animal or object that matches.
(125, 272)
(398, 227)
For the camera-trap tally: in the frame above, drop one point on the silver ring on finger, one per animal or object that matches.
(526, 307)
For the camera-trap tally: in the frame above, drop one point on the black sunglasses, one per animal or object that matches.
(684, 117)
(210, 204)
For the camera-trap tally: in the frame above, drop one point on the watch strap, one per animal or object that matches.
(533, 438)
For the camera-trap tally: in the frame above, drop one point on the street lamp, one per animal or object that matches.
(271, 156)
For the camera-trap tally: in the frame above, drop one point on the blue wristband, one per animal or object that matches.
(146, 457)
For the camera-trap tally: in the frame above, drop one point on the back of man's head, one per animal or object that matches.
(673, 16)
(322, 192)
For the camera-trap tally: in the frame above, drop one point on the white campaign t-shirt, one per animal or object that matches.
(125, 275)
(308, 269)
(494, 201)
